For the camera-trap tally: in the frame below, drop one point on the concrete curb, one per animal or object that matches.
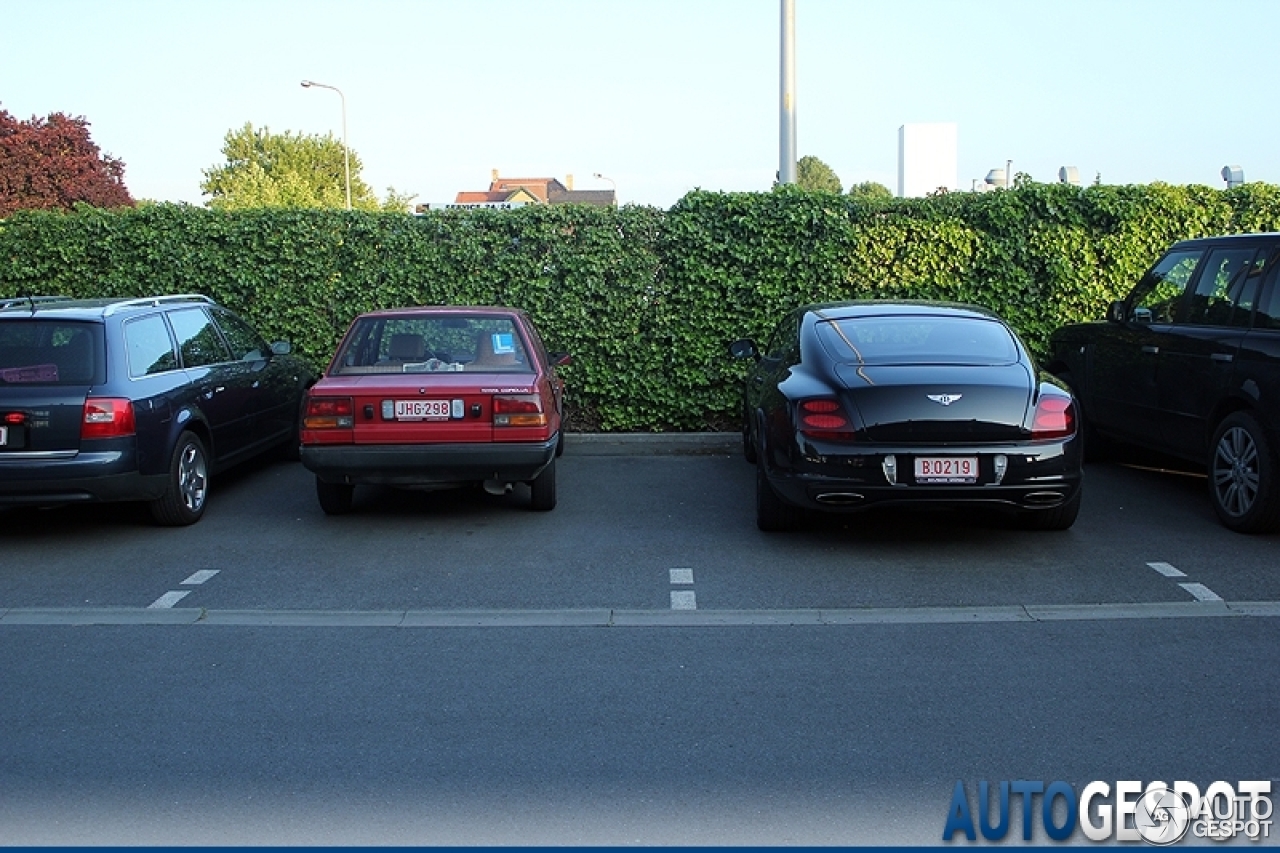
(652, 443)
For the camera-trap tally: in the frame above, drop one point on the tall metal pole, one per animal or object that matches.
(346, 149)
(787, 116)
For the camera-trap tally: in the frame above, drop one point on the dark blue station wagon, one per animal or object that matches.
(137, 400)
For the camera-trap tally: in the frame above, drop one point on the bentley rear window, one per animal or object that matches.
(918, 340)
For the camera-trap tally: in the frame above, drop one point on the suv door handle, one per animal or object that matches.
(1151, 349)
(1222, 356)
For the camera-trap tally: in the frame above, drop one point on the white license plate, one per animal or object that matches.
(423, 410)
(946, 469)
(4, 436)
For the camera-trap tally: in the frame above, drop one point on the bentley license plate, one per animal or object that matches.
(946, 469)
(4, 436)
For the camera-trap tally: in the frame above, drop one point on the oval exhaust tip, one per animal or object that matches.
(1044, 498)
(838, 498)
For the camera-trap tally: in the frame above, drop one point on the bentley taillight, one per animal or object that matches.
(824, 418)
(1055, 418)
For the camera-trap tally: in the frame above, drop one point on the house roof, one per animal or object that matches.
(599, 198)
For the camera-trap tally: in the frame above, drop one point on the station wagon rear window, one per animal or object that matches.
(432, 344)
(917, 340)
(50, 352)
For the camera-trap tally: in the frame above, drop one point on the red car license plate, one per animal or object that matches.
(946, 469)
(422, 410)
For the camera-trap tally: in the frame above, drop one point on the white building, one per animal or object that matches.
(926, 158)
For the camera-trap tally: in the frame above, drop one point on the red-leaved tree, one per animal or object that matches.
(52, 163)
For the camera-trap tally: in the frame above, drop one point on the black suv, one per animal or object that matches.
(137, 400)
(1189, 365)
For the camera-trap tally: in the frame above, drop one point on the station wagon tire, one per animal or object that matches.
(1242, 476)
(187, 488)
(542, 489)
(335, 498)
(1060, 517)
(773, 514)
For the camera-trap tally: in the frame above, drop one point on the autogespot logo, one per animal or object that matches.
(1158, 814)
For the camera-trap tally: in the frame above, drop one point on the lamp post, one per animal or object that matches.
(612, 182)
(346, 149)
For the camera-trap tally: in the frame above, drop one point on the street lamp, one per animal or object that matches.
(612, 182)
(346, 149)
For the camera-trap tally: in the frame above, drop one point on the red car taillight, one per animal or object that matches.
(1055, 418)
(329, 413)
(824, 418)
(523, 410)
(15, 418)
(107, 417)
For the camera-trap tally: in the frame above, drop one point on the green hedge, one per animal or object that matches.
(645, 300)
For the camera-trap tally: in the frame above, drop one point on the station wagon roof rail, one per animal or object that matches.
(153, 301)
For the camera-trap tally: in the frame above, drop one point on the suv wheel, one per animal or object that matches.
(1242, 476)
(184, 497)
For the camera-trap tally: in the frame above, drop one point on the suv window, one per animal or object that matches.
(149, 346)
(1157, 296)
(243, 340)
(1269, 305)
(198, 339)
(1227, 288)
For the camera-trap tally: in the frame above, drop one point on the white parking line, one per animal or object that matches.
(683, 576)
(1201, 592)
(684, 600)
(1167, 570)
(168, 600)
(200, 577)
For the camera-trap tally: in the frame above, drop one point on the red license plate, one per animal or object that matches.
(946, 469)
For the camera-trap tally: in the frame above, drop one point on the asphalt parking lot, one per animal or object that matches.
(647, 528)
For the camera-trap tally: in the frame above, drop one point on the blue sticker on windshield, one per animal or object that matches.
(503, 343)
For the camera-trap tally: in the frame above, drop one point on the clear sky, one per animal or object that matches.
(661, 96)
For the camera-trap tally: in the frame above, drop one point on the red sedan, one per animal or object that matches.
(436, 397)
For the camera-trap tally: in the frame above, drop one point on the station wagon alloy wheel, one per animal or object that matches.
(1241, 476)
(184, 500)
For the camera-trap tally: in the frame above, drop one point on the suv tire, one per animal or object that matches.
(1242, 476)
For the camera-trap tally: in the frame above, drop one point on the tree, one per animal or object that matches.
(53, 164)
(266, 169)
(813, 174)
(870, 190)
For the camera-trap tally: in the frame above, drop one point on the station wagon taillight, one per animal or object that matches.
(107, 417)
(1055, 418)
(329, 413)
(824, 418)
(522, 410)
